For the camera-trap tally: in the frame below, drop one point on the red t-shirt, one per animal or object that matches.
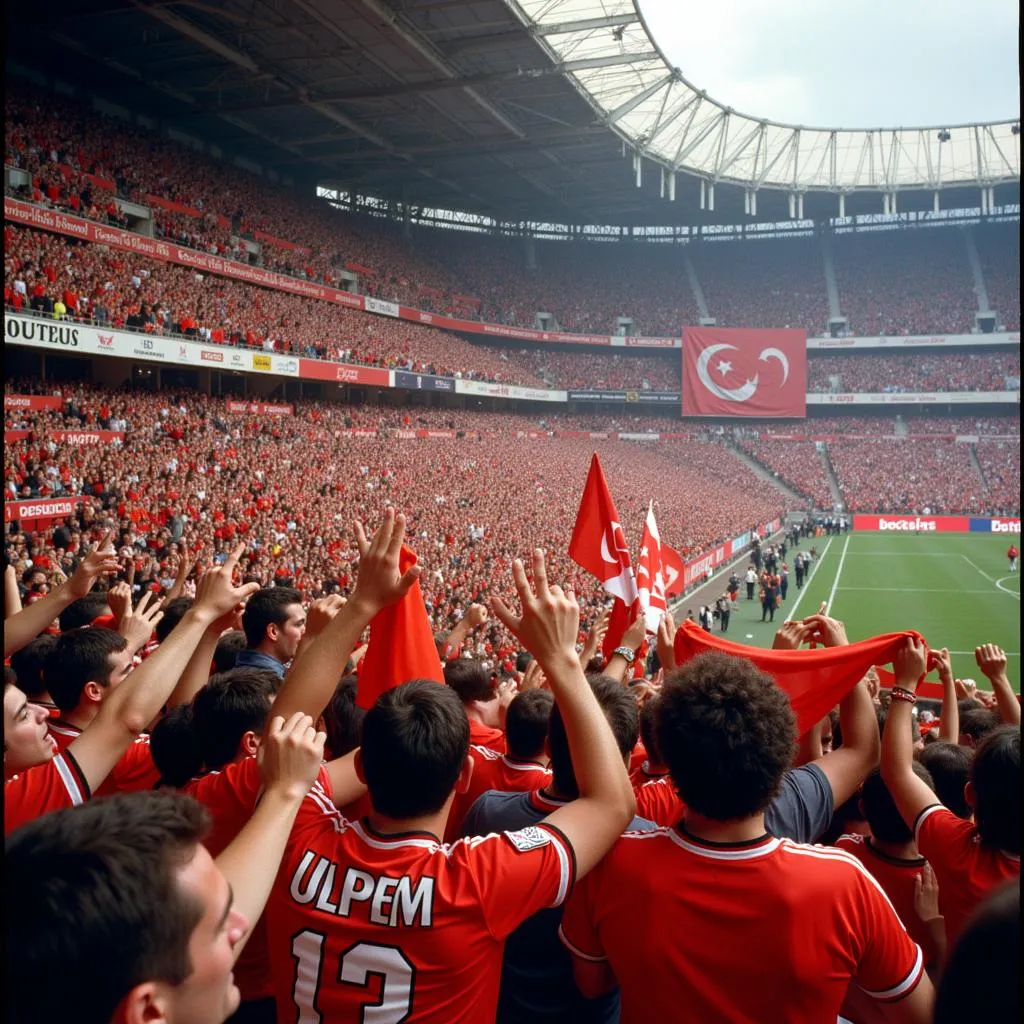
(642, 774)
(481, 735)
(52, 786)
(359, 920)
(230, 796)
(133, 772)
(492, 770)
(659, 802)
(965, 870)
(898, 878)
(764, 930)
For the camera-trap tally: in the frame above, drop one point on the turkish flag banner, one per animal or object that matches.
(598, 543)
(650, 579)
(674, 569)
(731, 371)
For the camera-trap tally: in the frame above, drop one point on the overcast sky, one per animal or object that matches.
(855, 64)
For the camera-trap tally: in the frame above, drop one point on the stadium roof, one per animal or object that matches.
(561, 111)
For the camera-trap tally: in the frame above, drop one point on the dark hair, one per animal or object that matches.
(343, 718)
(523, 659)
(227, 649)
(230, 705)
(880, 809)
(174, 612)
(995, 773)
(267, 607)
(79, 657)
(978, 723)
(965, 704)
(649, 729)
(526, 723)
(619, 707)
(29, 664)
(95, 890)
(469, 680)
(949, 765)
(989, 948)
(81, 612)
(174, 747)
(727, 734)
(415, 740)
(882, 714)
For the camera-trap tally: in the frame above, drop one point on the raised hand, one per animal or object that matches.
(119, 597)
(321, 612)
(290, 755)
(533, 677)
(791, 635)
(216, 594)
(137, 627)
(910, 663)
(826, 631)
(380, 583)
(965, 688)
(595, 635)
(550, 619)
(100, 561)
(476, 616)
(666, 642)
(991, 659)
(941, 660)
(635, 633)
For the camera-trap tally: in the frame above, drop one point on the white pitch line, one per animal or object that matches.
(1012, 593)
(807, 582)
(982, 571)
(1009, 654)
(835, 582)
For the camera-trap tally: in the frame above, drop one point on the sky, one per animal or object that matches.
(856, 64)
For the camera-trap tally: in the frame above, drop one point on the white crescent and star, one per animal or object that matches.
(747, 389)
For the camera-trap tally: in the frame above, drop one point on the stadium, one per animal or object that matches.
(276, 267)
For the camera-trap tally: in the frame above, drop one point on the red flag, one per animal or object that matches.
(401, 644)
(744, 372)
(598, 543)
(815, 680)
(650, 578)
(925, 688)
(674, 570)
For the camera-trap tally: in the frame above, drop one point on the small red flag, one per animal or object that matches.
(401, 644)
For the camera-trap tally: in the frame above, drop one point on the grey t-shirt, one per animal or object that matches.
(803, 809)
(537, 986)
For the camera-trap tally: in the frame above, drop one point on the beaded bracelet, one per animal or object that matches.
(898, 693)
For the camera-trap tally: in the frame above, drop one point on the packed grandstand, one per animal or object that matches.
(210, 371)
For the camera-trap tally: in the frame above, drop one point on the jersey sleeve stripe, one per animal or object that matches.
(567, 859)
(906, 986)
(921, 818)
(73, 778)
(579, 952)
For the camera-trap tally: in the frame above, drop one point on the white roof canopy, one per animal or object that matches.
(605, 49)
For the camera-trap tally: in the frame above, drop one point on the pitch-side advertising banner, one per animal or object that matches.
(1004, 524)
(896, 523)
(744, 372)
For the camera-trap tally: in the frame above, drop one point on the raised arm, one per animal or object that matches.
(476, 615)
(949, 716)
(130, 707)
(910, 794)
(197, 671)
(24, 626)
(548, 628)
(618, 667)
(12, 596)
(595, 637)
(991, 659)
(314, 675)
(290, 757)
(848, 767)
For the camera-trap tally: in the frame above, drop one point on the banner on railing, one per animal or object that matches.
(39, 511)
(78, 438)
(262, 408)
(33, 402)
(919, 398)
(344, 373)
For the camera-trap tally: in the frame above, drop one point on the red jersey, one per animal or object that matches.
(367, 926)
(52, 786)
(230, 796)
(481, 735)
(133, 772)
(897, 878)
(763, 930)
(1012, 552)
(965, 870)
(659, 802)
(642, 774)
(492, 770)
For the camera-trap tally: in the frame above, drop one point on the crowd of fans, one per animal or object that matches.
(1000, 467)
(999, 252)
(798, 464)
(891, 282)
(920, 372)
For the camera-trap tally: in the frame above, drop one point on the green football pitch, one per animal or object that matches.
(956, 590)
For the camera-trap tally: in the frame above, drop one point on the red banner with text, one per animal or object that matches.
(895, 523)
(34, 402)
(262, 408)
(344, 373)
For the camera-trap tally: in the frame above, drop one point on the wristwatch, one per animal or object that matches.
(626, 652)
